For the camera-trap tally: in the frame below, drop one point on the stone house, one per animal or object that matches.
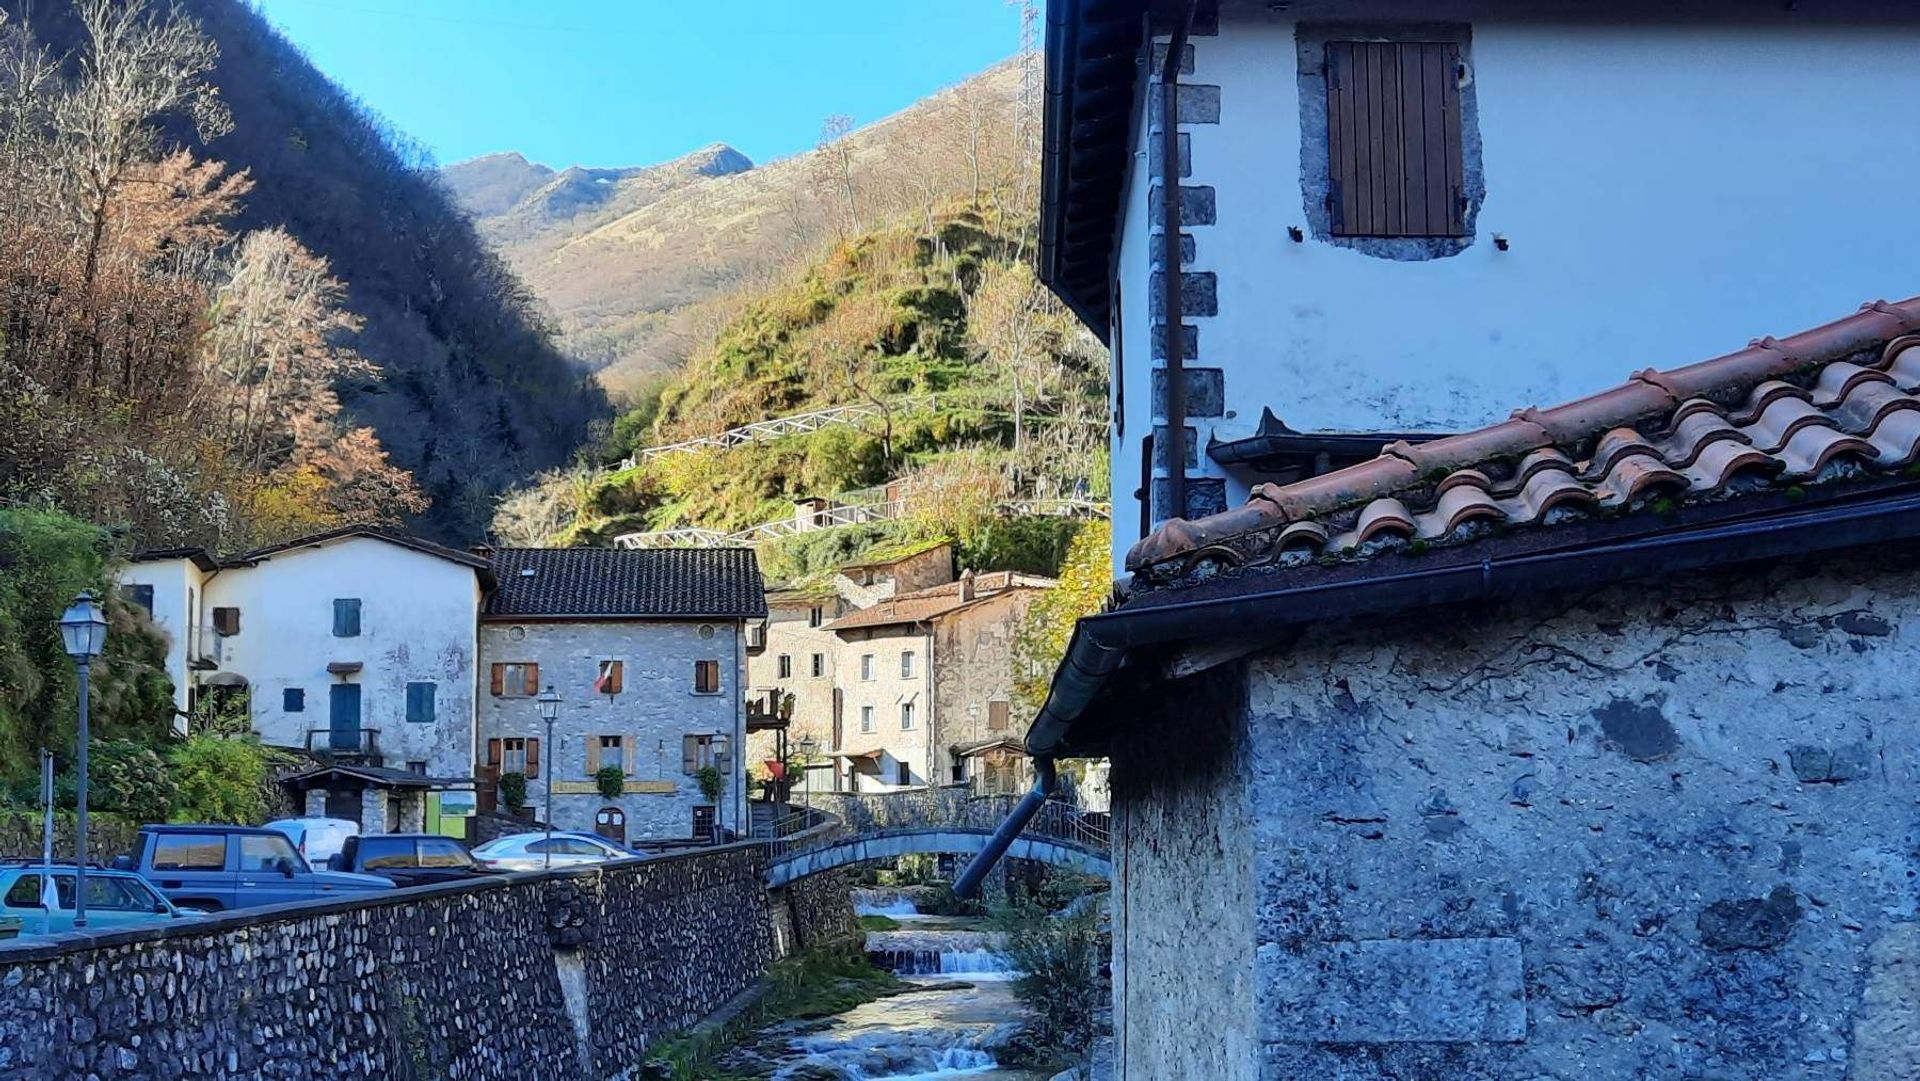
(803, 659)
(1573, 744)
(924, 679)
(354, 645)
(1578, 743)
(1400, 219)
(647, 649)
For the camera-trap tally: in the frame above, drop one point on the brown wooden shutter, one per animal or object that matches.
(499, 680)
(689, 753)
(593, 755)
(996, 715)
(616, 678)
(533, 679)
(533, 757)
(632, 748)
(493, 752)
(1393, 139)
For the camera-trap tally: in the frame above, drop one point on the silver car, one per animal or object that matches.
(538, 851)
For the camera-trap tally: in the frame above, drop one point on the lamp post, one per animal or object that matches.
(549, 700)
(84, 630)
(808, 745)
(719, 743)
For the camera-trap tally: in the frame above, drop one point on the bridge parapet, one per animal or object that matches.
(955, 807)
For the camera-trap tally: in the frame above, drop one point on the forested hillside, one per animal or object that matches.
(642, 275)
(315, 333)
(908, 289)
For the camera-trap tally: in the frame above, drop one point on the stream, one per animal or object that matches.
(959, 1010)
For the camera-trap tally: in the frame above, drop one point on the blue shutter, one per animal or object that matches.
(346, 617)
(420, 703)
(293, 700)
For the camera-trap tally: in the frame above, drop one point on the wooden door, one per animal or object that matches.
(611, 823)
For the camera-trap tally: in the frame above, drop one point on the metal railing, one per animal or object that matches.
(327, 743)
(951, 807)
(203, 646)
(775, 427)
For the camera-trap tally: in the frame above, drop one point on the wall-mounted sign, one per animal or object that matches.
(459, 804)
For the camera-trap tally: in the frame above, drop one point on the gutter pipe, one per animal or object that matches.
(1101, 644)
(1043, 788)
(1170, 233)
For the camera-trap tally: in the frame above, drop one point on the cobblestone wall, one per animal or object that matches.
(571, 974)
(1662, 830)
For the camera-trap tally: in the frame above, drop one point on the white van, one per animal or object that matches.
(318, 839)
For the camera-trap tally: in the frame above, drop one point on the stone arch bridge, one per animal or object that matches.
(843, 830)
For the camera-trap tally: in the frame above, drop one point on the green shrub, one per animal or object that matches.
(712, 783)
(611, 781)
(1059, 960)
(131, 780)
(220, 779)
(513, 790)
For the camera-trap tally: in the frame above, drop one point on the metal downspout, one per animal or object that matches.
(1043, 788)
(1170, 233)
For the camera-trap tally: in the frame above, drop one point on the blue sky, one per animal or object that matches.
(631, 82)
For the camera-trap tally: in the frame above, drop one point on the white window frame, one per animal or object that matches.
(908, 720)
(907, 661)
(866, 667)
(867, 723)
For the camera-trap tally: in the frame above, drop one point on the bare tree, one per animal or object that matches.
(835, 165)
(140, 64)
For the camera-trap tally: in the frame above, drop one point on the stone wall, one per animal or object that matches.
(1661, 830)
(1184, 887)
(568, 974)
(107, 835)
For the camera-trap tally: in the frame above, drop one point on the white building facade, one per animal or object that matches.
(355, 646)
(1399, 219)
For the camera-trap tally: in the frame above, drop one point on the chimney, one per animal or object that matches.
(484, 551)
(966, 585)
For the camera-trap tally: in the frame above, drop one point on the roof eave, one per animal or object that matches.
(1103, 645)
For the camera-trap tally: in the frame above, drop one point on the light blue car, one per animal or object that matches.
(36, 902)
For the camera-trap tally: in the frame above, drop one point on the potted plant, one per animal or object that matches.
(612, 781)
(513, 791)
(712, 783)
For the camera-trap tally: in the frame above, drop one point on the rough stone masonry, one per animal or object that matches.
(567, 974)
(1665, 830)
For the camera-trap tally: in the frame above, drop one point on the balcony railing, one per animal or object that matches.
(345, 744)
(203, 647)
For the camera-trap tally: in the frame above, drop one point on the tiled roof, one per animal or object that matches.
(657, 583)
(345, 532)
(1837, 399)
(935, 601)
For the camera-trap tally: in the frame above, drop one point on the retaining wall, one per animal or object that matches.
(546, 974)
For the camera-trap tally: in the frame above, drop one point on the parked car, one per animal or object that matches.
(115, 900)
(408, 859)
(565, 848)
(210, 868)
(318, 839)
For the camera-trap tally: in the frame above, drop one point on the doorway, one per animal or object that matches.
(611, 823)
(343, 717)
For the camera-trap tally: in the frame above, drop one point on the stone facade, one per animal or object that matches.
(1658, 830)
(571, 974)
(656, 709)
(973, 702)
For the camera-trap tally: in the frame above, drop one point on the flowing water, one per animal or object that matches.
(959, 1011)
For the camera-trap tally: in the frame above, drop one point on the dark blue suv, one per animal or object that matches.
(213, 868)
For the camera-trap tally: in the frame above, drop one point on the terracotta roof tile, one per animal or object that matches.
(1787, 409)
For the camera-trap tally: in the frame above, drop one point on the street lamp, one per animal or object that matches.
(549, 701)
(719, 743)
(84, 630)
(808, 745)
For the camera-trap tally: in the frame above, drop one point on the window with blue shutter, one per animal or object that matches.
(346, 617)
(293, 700)
(420, 703)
